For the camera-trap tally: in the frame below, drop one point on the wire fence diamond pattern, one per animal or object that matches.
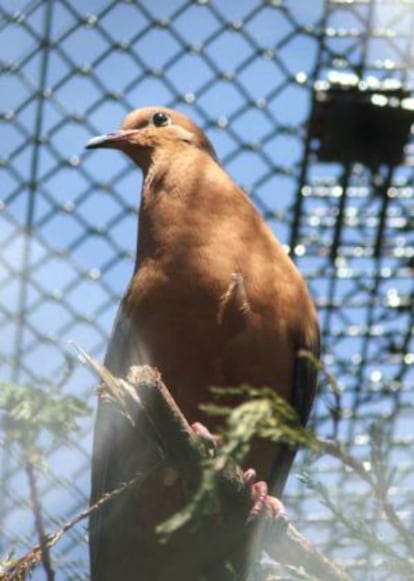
(248, 73)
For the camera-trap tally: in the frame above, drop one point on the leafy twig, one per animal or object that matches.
(22, 566)
(337, 451)
(38, 518)
(279, 423)
(358, 527)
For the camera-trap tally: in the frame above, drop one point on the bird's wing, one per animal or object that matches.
(110, 434)
(234, 317)
(303, 394)
(125, 348)
(305, 377)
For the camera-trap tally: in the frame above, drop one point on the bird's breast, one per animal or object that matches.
(175, 314)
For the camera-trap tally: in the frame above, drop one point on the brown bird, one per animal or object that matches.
(214, 298)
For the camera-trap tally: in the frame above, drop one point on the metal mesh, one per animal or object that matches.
(246, 72)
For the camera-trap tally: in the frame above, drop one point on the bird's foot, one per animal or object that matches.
(211, 441)
(262, 501)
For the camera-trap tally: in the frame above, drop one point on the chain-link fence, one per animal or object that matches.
(255, 75)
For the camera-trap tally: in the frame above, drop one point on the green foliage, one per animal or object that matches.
(28, 411)
(203, 503)
(262, 413)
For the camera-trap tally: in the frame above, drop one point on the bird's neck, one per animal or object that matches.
(157, 212)
(154, 178)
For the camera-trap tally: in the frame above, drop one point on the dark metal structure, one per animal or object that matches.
(309, 105)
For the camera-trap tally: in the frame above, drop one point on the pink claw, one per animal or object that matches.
(259, 495)
(261, 498)
(212, 442)
(202, 431)
(276, 507)
(249, 476)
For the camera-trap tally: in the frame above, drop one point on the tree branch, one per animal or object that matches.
(202, 530)
(188, 507)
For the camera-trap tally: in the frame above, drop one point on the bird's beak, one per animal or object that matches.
(115, 140)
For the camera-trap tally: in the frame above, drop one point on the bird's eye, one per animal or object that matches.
(160, 119)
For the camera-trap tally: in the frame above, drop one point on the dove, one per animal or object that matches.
(214, 298)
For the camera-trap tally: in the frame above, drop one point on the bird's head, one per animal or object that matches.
(153, 129)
